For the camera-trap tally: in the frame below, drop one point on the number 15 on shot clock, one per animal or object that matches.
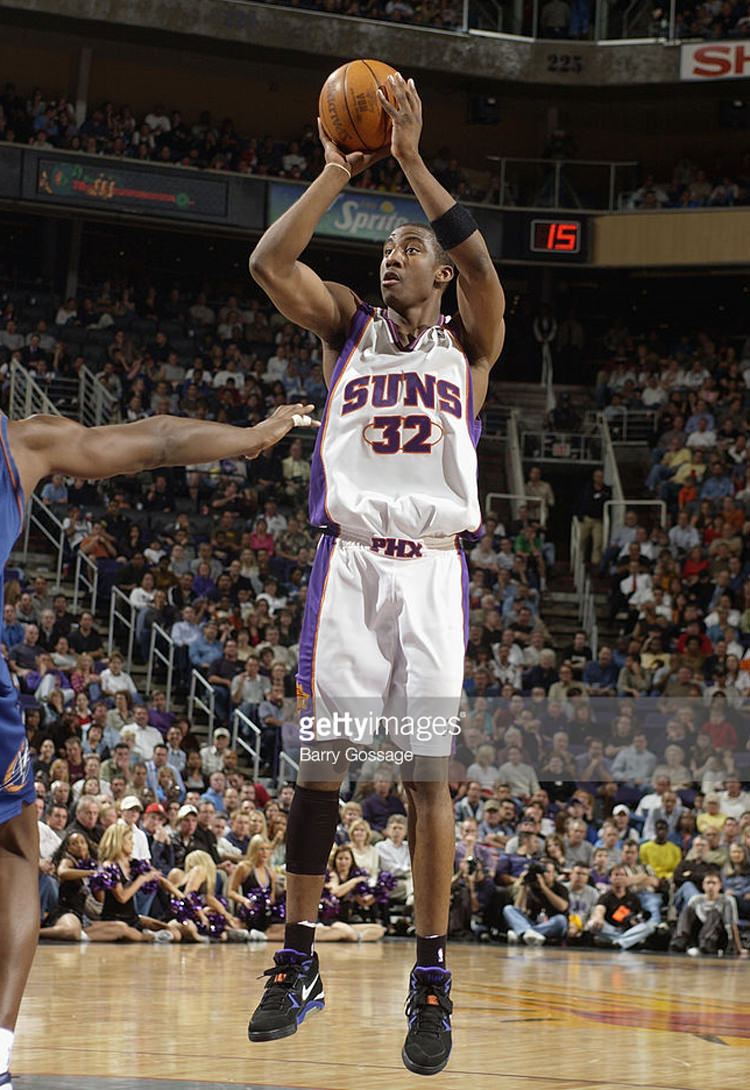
(555, 236)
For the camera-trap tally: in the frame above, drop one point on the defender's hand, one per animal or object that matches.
(281, 421)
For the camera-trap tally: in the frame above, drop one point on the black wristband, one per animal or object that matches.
(454, 226)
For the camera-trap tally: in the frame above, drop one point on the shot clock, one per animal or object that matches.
(547, 237)
(555, 236)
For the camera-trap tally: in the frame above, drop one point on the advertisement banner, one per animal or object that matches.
(102, 185)
(368, 216)
(719, 60)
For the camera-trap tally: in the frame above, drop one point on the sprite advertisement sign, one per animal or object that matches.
(369, 216)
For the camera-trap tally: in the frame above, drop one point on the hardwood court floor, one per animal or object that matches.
(119, 1017)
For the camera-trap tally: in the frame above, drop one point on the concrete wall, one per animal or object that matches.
(334, 36)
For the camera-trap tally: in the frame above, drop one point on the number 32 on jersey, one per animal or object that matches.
(412, 434)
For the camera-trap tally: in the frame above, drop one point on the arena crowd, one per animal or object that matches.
(599, 798)
(164, 136)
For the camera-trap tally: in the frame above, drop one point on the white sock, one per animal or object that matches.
(6, 1044)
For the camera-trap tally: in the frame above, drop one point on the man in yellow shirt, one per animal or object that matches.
(687, 467)
(710, 817)
(661, 854)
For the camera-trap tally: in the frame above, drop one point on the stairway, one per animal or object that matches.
(38, 562)
(530, 398)
(559, 609)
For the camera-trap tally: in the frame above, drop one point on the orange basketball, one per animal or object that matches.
(349, 107)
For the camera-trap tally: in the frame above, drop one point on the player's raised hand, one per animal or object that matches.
(354, 161)
(281, 421)
(404, 107)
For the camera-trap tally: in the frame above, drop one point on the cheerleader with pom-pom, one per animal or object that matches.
(71, 924)
(254, 890)
(348, 884)
(198, 904)
(346, 893)
(116, 883)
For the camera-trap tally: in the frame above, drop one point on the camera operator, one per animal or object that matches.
(474, 896)
(467, 848)
(540, 906)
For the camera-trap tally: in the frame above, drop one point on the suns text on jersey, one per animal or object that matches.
(405, 388)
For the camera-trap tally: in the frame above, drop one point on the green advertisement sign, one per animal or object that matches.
(126, 188)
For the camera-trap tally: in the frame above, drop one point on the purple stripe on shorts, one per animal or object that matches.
(465, 596)
(311, 619)
(317, 500)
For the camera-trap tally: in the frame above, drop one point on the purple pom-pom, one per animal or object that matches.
(215, 927)
(181, 909)
(86, 864)
(260, 913)
(142, 866)
(187, 909)
(385, 883)
(106, 878)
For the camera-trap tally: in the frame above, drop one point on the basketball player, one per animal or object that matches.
(33, 449)
(393, 483)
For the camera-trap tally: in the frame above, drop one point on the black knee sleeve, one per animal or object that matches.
(313, 817)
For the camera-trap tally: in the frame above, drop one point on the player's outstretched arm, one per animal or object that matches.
(326, 309)
(47, 444)
(481, 302)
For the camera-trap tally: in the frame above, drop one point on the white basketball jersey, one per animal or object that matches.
(396, 453)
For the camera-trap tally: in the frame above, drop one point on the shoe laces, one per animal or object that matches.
(283, 977)
(428, 1005)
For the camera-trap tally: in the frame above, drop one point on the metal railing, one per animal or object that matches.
(559, 183)
(26, 395)
(558, 446)
(161, 638)
(588, 615)
(48, 524)
(611, 477)
(201, 697)
(582, 583)
(577, 563)
(251, 729)
(513, 460)
(635, 15)
(125, 615)
(630, 426)
(96, 405)
(287, 762)
(86, 582)
(610, 522)
(495, 421)
(603, 22)
(63, 391)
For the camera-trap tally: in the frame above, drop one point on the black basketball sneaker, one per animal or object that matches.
(428, 1009)
(293, 990)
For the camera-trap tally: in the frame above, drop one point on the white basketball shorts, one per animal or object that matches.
(382, 643)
